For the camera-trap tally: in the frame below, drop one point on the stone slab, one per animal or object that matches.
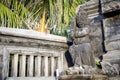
(113, 57)
(110, 5)
(31, 34)
(83, 77)
(30, 78)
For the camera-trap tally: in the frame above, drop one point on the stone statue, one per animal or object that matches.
(104, 34)
(81, 51)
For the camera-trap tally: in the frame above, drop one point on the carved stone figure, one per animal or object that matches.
(101, 29)
(81, 50)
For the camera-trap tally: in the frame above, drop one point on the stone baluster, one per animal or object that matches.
(46, 66)
(38, 66)
(52, 66)
(22, 66)
(5, 64)
(58, 63)
(15, 65)
(30, 70)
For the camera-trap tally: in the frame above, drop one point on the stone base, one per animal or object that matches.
(114, 78)
(83, 77)
(113, 57)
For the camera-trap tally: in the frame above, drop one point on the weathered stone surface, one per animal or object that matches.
(112, 27)
(6, 58)
(114, 78)
(92, 9)
(113, 57)
(111, 62)
(28, 42)
(105, 31)
(110, 5)
(110, 69)
(114, 45)
(83, 77)
(36, 47)
(31, 34)
(30, 78)
(112, 33)
(97, 31)
(96, 37)
(81, 50)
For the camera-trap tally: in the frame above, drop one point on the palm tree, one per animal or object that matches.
(20, 13)
(38, 14)
(61, 12)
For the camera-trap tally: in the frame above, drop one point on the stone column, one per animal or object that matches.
(4, 63)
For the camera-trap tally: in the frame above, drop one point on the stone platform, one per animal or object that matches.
(84, 77)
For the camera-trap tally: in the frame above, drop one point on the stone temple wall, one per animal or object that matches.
(104, 18)
(111, 24)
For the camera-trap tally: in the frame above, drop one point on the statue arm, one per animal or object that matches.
(82, 32)
(78, 32)
(72, 33)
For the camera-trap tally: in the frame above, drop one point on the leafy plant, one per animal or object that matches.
(39, 14)
(61, 13)
(18, 14)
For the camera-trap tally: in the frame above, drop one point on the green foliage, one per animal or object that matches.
(18, 14)
(61, 13)
(97, 63)
(26, 14)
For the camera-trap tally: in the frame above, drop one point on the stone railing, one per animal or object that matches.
(27, 54)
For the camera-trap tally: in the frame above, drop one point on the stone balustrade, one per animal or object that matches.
(27, 54)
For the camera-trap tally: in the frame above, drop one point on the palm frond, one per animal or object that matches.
(28, 13)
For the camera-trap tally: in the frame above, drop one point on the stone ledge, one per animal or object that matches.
(83, 77)
(30, 78)
(115, 78)
(31, 34)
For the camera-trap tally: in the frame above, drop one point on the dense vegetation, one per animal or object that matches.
(39, 15)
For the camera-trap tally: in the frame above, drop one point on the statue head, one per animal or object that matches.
(81, 18)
